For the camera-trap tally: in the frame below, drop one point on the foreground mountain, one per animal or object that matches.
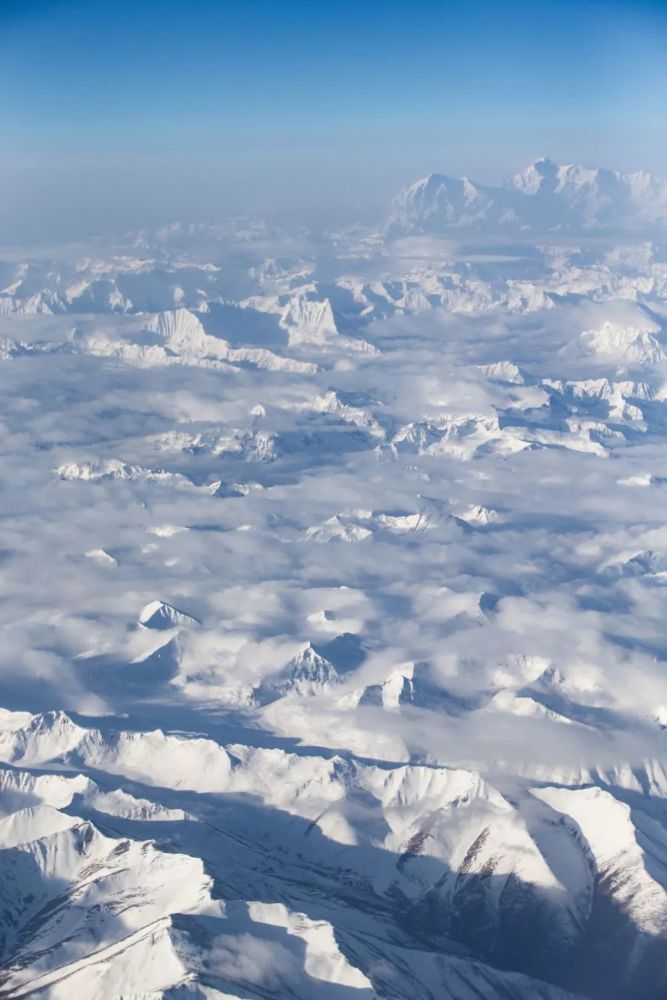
(431, 876)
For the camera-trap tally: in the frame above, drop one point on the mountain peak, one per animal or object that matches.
(542, 197)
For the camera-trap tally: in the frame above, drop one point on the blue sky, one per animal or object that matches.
(165, 108)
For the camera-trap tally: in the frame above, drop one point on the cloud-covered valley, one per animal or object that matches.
(334, 570)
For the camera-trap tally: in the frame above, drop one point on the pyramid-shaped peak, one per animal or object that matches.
(310, 667)
(160, 615)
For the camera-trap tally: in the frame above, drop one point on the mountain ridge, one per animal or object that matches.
(543, 196)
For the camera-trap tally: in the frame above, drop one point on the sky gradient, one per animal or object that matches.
(114, 113)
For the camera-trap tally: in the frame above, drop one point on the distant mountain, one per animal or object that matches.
(544, 196)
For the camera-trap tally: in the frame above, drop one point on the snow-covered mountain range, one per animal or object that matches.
(333, 600)
(543, 197)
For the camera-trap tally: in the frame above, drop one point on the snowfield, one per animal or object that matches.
(334, 593)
